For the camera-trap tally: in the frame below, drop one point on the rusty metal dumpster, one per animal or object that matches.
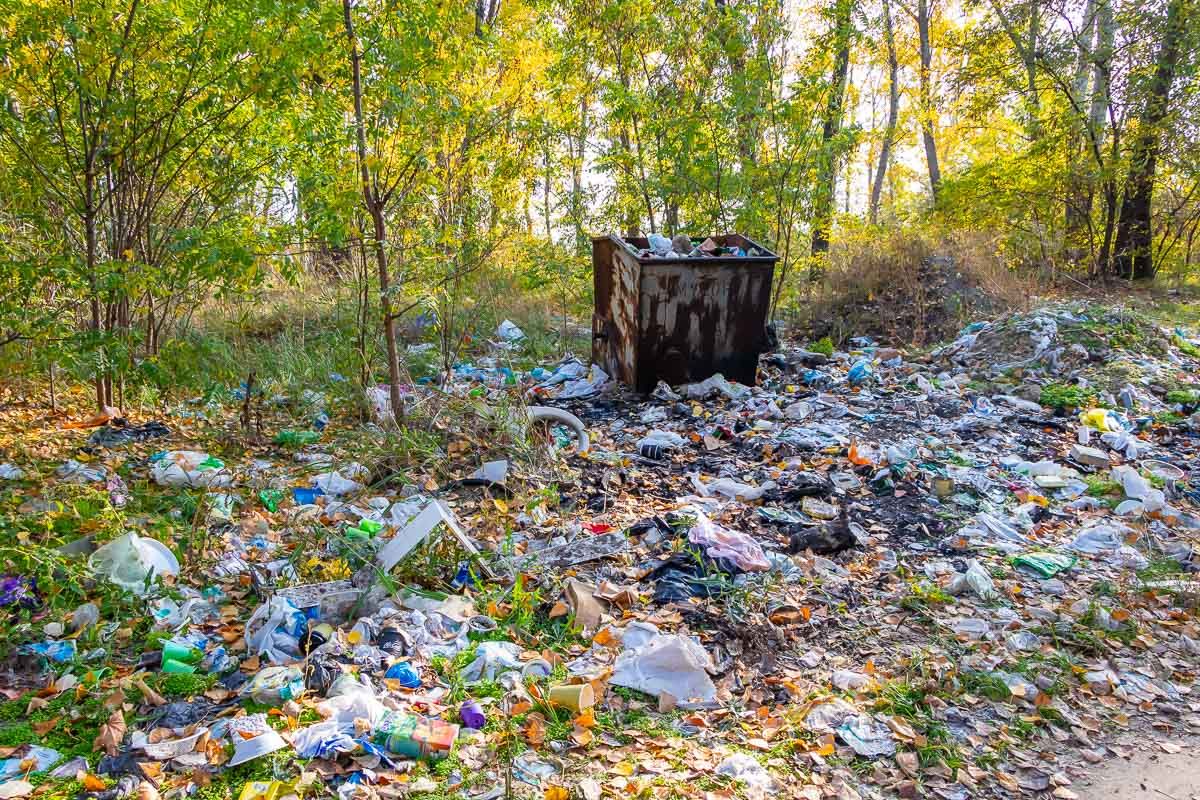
(680, 319)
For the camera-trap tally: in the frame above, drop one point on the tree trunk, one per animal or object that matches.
(1079, 194)
(577, 158)
(1101, 69)
(375, 209)
(103, 398)
(1030, 59)
(926, 99)
(889, 131)
(843, 11)
(1133, 248)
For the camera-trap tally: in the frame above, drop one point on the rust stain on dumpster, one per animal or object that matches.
(679, 319)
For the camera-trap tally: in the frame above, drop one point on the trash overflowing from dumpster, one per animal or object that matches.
(873, 573)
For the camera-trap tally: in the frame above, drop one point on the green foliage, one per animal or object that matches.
(910, 702)
(1066, 397)
(823, 346)
(1183, 397)
(1100, 486)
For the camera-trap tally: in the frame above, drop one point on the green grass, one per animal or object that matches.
(1183, 397)
(824, 346)
(922, 595)
(1160, 568)
(1064, 396)
(986, 685)
(1101, 486)
(910, 702)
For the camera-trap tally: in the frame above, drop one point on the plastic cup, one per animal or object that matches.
(577, 696)
(174, 651)
(177, 667)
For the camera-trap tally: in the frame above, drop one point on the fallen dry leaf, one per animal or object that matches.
(13, 789)
(42, 728)
(93, 783)
(149, 695)
(111, 733)
(590, 789)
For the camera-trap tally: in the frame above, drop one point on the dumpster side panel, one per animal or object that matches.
(614, 323)
(699, 320)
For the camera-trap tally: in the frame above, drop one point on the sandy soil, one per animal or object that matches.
(1150, 773)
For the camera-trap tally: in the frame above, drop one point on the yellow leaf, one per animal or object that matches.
(500, 505)
(556, 793)
(93, 783)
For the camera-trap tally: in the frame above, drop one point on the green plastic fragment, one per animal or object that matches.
(1045, 564)
(271, 498)
(296, 438)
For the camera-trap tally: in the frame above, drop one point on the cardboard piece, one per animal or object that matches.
(418, 530)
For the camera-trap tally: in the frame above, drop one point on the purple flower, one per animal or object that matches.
(18, 590)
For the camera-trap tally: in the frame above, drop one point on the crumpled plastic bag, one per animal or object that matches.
(274, 685)
(339, 482)
(1138, 488)
(323, 740)
(585, 386)
(190, 468)
(1127, 444)
(509, 332)
(718, 542)
(1100, 538)
(744, 768)
(710, 386)
(570, 369)
(847, 680)
(492, 659)
(977, 580)
(132, 562)
(730, 488)
(672, 664)
(274, 630)
(11, 472)
(349, 699)
(73, 471)
(867, 736)
(667, 440)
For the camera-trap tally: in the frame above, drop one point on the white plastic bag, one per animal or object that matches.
(744, 768)
(132, 562)
(672, 664)
(190, 468)
(274, 630)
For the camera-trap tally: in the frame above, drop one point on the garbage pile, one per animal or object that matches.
(877, 573)
(683, 246)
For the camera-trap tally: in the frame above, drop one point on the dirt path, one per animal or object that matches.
(1150, 773)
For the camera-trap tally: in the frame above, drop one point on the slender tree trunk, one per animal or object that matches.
(375, 208)
(577, 157)
(1079, 192)
(843, 11)
(925, 90)
(889, 131)
(1101, 69)
(1134, 244)
(89, 231)
(1030, 59)
(1098, 121)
